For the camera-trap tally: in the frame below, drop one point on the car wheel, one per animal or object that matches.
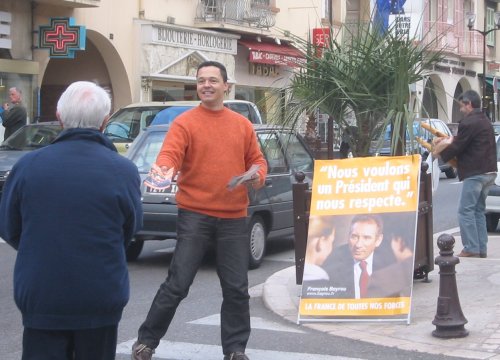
(134, 249)
(257, 241)
(450, 173)
(492, 221)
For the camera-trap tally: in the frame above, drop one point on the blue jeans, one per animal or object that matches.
(471, 216)
(195, 232)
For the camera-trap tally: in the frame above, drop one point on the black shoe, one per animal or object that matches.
(141, 352)
(236, 356)
(468, 254)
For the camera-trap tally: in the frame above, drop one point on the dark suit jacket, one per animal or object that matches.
(14, 119)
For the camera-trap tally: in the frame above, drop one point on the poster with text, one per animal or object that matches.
(361, 240)
(405, 17)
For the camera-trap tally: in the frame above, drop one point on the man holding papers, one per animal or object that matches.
(209, 146)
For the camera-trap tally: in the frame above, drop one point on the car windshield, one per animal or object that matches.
(31, 137)
(145, 155)
(417, 130)
(126, 124)
(166, 116)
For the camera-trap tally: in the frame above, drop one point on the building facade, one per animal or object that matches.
(145, 50)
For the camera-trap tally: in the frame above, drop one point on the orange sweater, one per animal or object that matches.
(209, 148)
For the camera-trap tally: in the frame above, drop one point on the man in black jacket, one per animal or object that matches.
(14, 117)
(475, 149)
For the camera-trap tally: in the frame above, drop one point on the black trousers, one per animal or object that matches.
(87, 344)
(194, 233)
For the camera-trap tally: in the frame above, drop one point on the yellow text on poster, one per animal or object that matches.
(365, 185)
(375, 307)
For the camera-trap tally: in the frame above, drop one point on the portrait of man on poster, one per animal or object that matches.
(376, 261)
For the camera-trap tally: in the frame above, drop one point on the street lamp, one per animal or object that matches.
(471, 19)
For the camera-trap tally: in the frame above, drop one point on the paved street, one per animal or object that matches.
(195, 332)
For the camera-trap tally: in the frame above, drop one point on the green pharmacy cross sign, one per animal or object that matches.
(62, 38)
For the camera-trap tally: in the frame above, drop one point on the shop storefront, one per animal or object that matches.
(171, 55)
(263, 72)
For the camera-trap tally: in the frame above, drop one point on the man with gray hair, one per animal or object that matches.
(14, 117)
(70, 209)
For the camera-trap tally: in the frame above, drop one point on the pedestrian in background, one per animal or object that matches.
(208, 145)
(475, 149)
(15, 115)
(2, 110)
(70, 209)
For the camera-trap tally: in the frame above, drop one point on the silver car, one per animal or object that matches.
(28, 138)
(493, 199)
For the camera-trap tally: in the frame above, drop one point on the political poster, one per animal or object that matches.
(405, 17)
(361, 240)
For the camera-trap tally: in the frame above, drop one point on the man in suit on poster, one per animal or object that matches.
(350, 266)
(366, 266)
(361, 268)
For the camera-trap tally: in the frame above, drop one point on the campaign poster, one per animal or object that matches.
(361, 240)
(405, 17)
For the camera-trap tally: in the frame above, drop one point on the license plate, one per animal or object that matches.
(171, 190)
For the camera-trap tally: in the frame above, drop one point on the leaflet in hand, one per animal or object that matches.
(157, 179)
(246, 176)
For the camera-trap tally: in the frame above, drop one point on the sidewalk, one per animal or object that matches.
(478, 283)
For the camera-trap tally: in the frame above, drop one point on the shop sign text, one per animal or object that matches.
(264, 70)
(193, 39)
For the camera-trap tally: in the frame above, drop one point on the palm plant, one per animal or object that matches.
(366, 77)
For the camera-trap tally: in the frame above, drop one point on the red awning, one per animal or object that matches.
(274, 54)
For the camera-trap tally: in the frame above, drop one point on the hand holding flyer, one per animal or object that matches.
(158, 179)
(250, 174)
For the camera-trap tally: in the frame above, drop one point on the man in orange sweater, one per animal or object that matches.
(208, 145)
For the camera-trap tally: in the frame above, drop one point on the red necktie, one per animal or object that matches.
(363, 279)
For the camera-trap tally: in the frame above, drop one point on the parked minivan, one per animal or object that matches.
(270, 212)
(128, 122)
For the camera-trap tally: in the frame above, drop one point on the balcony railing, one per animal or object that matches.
(251, 13)
(472, 45)
(442, 36)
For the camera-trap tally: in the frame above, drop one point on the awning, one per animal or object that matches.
(273, 54)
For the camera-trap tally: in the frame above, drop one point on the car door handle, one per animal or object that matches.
(268, 182)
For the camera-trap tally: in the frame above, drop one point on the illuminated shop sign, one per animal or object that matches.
(62, 38)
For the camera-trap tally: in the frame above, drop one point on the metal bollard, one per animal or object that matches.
(449, 319)
(301, 203)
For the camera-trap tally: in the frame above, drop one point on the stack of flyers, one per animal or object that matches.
(159, 180)
(246, 176)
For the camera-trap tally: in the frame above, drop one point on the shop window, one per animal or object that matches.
(490, 24)
(173, 92)
(451, 11)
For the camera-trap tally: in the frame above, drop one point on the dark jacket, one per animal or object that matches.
(473, 146)
(14, 119)
(70, 209)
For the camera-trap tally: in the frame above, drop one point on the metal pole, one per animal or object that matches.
(483, 33)
(484, 63)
